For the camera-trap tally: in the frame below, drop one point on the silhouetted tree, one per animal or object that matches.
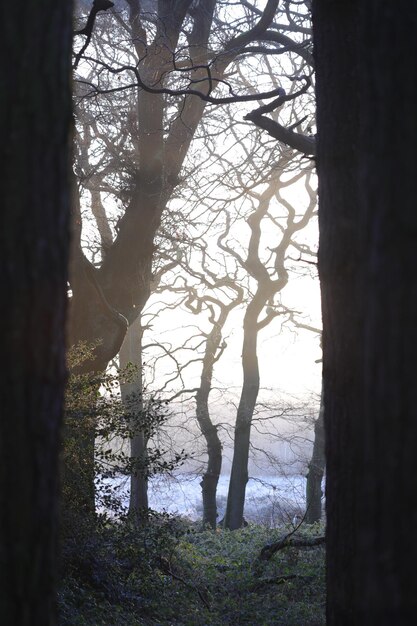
(270, 279)
(143, 84)
(35, 122)
(174, 57)
(366, 73)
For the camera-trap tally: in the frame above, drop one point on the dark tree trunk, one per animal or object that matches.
(239, 475)
(315, 474)
(367, 130)
(209, 430)
(35, 123)
(211, 476)
(265, 292)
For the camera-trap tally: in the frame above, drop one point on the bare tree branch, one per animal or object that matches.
(98, 5)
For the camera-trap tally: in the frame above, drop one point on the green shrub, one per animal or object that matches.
(170, 573)
(167, 572)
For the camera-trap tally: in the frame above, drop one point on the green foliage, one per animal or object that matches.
(98, 427)
(171, 573)
(112, 576)
(95, 452)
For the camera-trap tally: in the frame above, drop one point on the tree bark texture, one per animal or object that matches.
(35, 124)
(367, 129)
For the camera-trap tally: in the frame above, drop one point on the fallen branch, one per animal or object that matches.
(289, 541)
(277, 580)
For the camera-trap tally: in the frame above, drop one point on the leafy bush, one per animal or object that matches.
(171, 573)
(167, 572)
(98, 427)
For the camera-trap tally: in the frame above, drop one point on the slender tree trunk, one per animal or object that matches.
(132, 395)
(239, 474)
(34, 128)
(367, 130)
(250, 388)
(316, 468)
(209, 430)
(211, 476)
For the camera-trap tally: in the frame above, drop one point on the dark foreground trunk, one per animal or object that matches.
(35, 121)
(367, 131)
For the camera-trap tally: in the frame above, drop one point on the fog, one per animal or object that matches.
(269, 500)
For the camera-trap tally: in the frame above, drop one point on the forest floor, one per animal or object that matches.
(173, 574)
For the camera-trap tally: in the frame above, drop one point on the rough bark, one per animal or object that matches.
(315, 474)
(367, 129)
(35, 124)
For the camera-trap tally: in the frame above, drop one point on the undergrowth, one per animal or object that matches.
(171, 573)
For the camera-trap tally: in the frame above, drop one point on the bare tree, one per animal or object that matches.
(143, 83)
(172, 59)
(216, 295)
(238, 183)
(269, 280)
